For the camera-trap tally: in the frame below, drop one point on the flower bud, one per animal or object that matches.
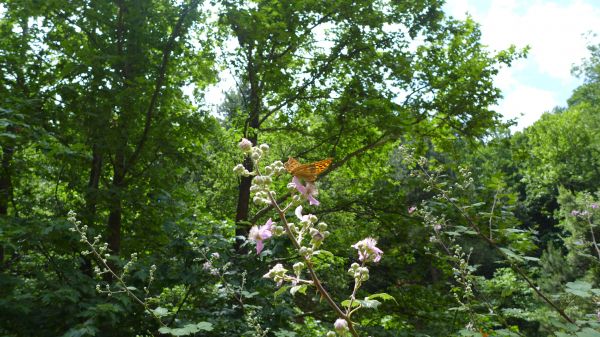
(340, 325)
(298, 267)
(317, 239)
(330, 334)
(264, 147)
(239, 169)
(278, 230)
(245, 145)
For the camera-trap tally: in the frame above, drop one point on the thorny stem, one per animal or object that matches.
(311, 270)
(492, 244)
(492, 212)
(593, 236)
(227, 286)
(485, 300)
(357, 282)
(120, 281)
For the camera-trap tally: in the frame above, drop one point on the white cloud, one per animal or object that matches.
(553, 29)
(526, 103)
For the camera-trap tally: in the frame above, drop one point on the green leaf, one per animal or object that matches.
(300, 288)
(284, 333)
(367, 303)
(160, 311)
(383, 296)
(247, 294)
(588, 332)
(579, 288)
(510, 254)
(346, 303)
(280, 291)
(188, 329)
(562, 334)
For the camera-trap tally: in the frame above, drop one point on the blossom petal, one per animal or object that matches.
(298, 212)
(299, 185)
(259, 246)
(313, 201)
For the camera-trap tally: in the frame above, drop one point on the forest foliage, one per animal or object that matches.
(121, 213)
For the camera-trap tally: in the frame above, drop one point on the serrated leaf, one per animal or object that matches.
(284, 333)
(280, 291)
(383, 296)
(187, 330)
(588, 332)
(562, 334)
(324, 252)
(300, 288)
(160, 311)
(346, 303)
(579, 288)
(510, 254)
(247, 294)
(367, 303)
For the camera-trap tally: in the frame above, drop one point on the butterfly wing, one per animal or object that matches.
(308, 172)
(291, 164)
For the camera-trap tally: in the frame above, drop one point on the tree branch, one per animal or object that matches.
(159, 82)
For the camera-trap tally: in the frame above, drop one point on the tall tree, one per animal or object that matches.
(350, 76)
(125, 64)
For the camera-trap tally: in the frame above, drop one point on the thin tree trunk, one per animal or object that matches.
(115, 204)
(91, 202)
(5, 187)
(251, 133)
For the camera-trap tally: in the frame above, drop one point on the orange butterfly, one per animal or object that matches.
(308, 172)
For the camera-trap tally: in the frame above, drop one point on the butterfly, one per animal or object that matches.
(308, 172)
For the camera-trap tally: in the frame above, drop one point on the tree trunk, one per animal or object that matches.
(251, 133)
(91, 201)
(5, 187)
(115, 204)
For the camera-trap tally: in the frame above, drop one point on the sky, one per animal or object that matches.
(557, 32)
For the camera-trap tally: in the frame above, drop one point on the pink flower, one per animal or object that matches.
(259, 234)
(308, 217)
(367, 250)
(309, 191)
(412, 209)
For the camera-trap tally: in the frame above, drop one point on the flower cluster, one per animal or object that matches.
(307, 233)
(360, 274)
(577, 213)
(367, 250)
